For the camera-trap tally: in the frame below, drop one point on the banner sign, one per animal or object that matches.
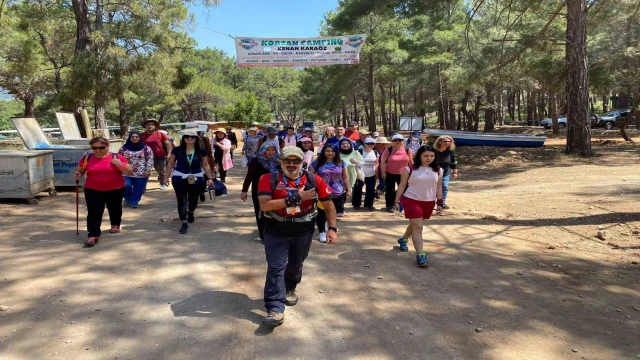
(335, 50)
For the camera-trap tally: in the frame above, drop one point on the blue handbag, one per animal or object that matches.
(219, 188)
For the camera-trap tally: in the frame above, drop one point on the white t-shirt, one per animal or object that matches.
(370, 161)
(423, 184)
(290, 141)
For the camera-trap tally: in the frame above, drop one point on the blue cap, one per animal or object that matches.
(415, 134)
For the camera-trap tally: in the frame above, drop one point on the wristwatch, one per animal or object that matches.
(333, 228)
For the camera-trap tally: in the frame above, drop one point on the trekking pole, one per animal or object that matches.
(77, 201)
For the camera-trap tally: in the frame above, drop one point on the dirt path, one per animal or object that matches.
(517, 274)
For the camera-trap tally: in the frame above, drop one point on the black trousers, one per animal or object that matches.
(285, 255)
(392, 183)
(321, 218)
(223, 174)
(96, 201)
(356, 197)
(187, 196)
(256, 208)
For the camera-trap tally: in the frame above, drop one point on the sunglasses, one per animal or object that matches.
(445, 140)
(369, 144)
(98, 147)
(189, 137)
(292, 161)
(398, 140)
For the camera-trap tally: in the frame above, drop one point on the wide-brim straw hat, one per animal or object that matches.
(222, 130)
(382, 140)
(189, 132)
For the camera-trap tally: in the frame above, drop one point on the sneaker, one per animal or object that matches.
(356, 208)
(371, 208)
(191, 218)
(163, 187)
(421, 258)
(403, 244)
(273, 319)
(134, 206)
(340, 214)
(390, 210)
(445, 206)
(323, 237)
(115, 229)
(184, 229)
(91, 241)
(291, 298)
(202, 198)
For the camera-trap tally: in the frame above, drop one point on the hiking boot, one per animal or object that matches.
(445, 206)
(421, 258)
(184, 229)
(92, 240)
(291, 298)
(356, 208)
(371, 208)
(403, 244)
(273, 319)
(323, 237)
(191, 218)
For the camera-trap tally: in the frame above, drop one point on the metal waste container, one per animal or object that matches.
(71, 132)
(26, 173)
(65, 157)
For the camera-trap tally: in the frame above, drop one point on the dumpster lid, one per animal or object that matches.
(68, 125)
(30, 132)
(23, 153)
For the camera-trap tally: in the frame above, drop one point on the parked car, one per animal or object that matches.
(622, 115)
(548, 123)
(600, 121)
(609, 119)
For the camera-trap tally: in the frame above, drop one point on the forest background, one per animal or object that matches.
(466, 65)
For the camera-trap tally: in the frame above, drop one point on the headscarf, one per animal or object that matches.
(270, 164)
(347, 151)
(134, 146)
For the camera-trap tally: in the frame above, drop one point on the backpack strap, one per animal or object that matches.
(85, 160)
(274, 180)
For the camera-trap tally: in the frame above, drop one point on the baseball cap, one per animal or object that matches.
(397, 137)
(303, 139)
(308, 129)
(272, 130)
(364, 132)
(253, 128)
(189, 132)
(369, 141)
(353, 123)
(415, 134)
(375, 133)
(291, 151)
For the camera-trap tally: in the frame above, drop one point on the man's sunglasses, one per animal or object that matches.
(292, 161)
(98, 147)
(189, 137)
(398, 140)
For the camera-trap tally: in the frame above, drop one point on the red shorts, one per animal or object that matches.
(415, 209)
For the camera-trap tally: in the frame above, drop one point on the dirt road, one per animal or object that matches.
(517, 274)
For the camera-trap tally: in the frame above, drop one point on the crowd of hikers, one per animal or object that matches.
(295, 185)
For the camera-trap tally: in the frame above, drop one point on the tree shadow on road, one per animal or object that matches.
(219, 304)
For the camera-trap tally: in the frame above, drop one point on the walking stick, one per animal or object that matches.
(77, 215)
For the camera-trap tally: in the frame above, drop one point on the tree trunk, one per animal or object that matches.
(83, 25)
(123, 119)
(476, 113)
(100, 107)
(452, 115)
(400, 100)
(578, 129)
(344, 115)
(605, 103)
(372, 107)
(382, 109)
(519, 106)
(553, 111)
(356, 118)
(490, 110)
(29, 105)
(396, 123)
(530, 107)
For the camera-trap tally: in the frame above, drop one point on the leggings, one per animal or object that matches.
(321, 218)
(187, 196)
(96, 201)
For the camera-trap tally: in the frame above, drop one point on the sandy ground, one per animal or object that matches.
(517, 273)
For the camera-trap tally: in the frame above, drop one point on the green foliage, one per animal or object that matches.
(247, 109)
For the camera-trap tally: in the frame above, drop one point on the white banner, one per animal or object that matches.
(335, 50)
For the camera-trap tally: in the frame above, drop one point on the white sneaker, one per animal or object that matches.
(163, 187)
(323, 237)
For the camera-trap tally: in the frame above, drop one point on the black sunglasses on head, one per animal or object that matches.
(98, 147)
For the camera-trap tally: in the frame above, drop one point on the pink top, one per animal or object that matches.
(102, 175)
(290, 141)
(422, 184)
(398, 160)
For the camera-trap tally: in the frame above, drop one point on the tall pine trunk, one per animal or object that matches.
(578, 129)
(372, 106)
(382, 109)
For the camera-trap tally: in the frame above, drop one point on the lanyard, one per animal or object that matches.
(190, 158)
(291, 192)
